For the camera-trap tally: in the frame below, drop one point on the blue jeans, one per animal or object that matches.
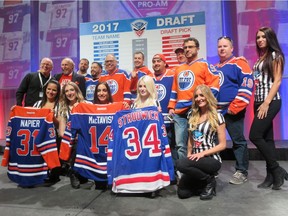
(181, 134)
(235, 128)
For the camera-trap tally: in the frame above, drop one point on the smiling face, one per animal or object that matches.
(110, 63)
(225, 49)
(70, 94)
(67, 66)
(200, 99)
(138, 60)
(261, 40)
(51, 91)
(190, 50)
(102, 94)
(83, 66)
(46, 66)
(95, 70)
(159, 66)
(143, 92)
(180, 57)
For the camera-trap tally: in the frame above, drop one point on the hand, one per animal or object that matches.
(133, 73)
(13, 107)
(196, 156)
(230, 112)
(171, 111)
(126, 105)
(262, 110)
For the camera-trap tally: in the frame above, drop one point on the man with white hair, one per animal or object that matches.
(31, 87)
(68, 74)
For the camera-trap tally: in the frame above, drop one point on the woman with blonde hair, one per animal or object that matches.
(146, 94)
(203, 160)
(70, 96)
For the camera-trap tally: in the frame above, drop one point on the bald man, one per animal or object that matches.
(68, 74)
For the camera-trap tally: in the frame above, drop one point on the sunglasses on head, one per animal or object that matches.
(225, 37)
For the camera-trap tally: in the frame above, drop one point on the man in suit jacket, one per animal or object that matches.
(68, 74)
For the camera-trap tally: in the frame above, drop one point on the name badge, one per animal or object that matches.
(40, 94)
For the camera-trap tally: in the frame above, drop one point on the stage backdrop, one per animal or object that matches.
(152, 35)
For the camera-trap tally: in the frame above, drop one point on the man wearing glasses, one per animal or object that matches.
(117, 79)
(194, 72)
(31, 87)
(236, 86)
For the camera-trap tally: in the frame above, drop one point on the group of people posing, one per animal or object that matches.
(197, 99)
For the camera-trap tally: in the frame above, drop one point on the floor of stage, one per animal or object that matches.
(61, 200)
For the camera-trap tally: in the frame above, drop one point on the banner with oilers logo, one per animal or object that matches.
(150, 35)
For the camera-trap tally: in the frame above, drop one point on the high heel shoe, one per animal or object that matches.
(268, 180)
(279, 175)
(210, 189)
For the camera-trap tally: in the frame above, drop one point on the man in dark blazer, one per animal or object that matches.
(68, 74)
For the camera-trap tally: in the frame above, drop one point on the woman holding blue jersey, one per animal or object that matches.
(51, 100)
(146, 94)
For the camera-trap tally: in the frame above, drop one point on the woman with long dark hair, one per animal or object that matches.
(268, 72)
(50, 100)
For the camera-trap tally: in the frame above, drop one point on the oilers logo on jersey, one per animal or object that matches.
(113, 86)
(221, 77)
(186, 79)
(161, 91)
(90, 90)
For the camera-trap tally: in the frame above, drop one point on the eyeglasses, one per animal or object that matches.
(109, 61)
(225, 37)
(190, 47)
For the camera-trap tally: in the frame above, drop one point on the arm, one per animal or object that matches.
(245, 88)
(173, 96)
(126, 88)
(62, 125)
(220, 147)
(81, 85)
(22, 90)
(190, 145)
(263, 108)
(212, 79)
(134, 79)
(56, 122)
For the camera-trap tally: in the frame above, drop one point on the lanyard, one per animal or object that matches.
(41, 82)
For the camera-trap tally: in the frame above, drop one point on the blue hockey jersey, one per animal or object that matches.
(30, 145)
(236, 85)
(139, 158)
(90, 124)
(163, 86)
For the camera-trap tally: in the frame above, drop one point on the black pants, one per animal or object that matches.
(195, 174)
(261, 133)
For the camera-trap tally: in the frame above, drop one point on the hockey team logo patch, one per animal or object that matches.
(113, 86)
(90, 90)
(198, 138)
(161, 91)
(221, 78)
(186, 79)
(139, 26)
